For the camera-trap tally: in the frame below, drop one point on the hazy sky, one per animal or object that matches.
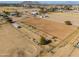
(61, 2)
(47, 2)
(10, 1)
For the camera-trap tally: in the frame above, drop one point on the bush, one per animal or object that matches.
(68, 23)
(18, 14)
(43, 41)
(43, 10)
(7, 13)
(21, 53)
(54, 37)
(10, 21)
(68, 7)
(52, 9)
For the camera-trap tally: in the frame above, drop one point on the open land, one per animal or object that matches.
(20, 42)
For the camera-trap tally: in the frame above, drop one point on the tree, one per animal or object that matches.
(52, 9)
(7, 13)
(68, 7)
(43, 10)
(18, 14)
(30, 6)
(43, 41)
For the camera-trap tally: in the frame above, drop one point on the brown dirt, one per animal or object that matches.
(51, 27)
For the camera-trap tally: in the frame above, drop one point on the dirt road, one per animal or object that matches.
(66, 47)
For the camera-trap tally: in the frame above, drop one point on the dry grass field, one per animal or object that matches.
(51, 27)
(61, 17)
(19, 42)
(20, 9)
(12, 42)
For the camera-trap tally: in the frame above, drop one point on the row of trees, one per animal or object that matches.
(18, 14)
(66, 7)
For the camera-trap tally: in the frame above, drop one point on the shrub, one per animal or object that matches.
(21, 53)
(18, 14)
(68, 23)
(68, 7)
(7, 13)
(43, 41)
(54, 37)
(43, 10)
(52, 9)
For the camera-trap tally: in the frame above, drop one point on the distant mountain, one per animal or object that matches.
(60, 2)
(50, 2)
(30, 2)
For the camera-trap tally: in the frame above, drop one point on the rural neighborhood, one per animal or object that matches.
(35, 29)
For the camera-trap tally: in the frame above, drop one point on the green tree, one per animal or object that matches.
(52, 9)
(43, 41)
(7, 13)
(43, 10)
(68, 7)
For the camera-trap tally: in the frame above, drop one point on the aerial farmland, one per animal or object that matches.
(38, 30)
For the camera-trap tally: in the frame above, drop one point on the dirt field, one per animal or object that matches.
(51, 27)
(12, 41)
(20, 9)
(61, 17)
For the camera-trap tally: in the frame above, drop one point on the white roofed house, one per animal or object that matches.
(34, 13)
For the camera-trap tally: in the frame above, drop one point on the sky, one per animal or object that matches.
(10, 1)
(61, 2)
(46, 2)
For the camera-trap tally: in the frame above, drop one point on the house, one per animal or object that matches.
(34, 13)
